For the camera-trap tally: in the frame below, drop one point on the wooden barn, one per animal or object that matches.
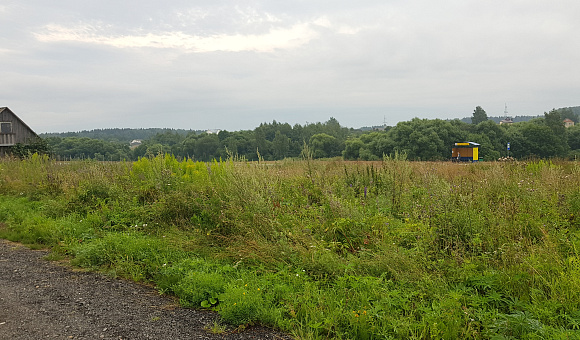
(465, 152)
(13, 131)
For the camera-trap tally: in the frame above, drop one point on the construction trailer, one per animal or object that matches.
(465, 152)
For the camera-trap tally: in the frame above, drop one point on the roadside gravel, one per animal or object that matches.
(45, 300)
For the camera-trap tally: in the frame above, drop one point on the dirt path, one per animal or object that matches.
(44, 300)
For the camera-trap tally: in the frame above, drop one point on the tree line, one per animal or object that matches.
(419, 139)
(122, 135)
(423, 139)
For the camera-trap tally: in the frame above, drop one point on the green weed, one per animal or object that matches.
(322, 249)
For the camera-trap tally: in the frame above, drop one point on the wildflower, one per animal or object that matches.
(258, 288)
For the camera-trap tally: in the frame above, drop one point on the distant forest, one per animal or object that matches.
(516, 119)
(125, 135)
(419, 139)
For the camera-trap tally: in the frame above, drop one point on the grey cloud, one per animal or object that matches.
(362, 61)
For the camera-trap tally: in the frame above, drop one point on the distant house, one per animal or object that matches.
(568, 122)
(507, 120)
(13, 131)
(135, 143)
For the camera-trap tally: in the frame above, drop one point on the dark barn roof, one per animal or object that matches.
(2, 109)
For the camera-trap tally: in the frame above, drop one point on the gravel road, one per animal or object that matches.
(45, 300)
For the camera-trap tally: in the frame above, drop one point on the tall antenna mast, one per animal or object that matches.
(505, 111)
(384, 120)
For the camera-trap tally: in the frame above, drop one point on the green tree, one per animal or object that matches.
(492, 137)
(554, 121)
(540, 140)
(231, 144)
(568, 113)
(84, 147)
(140, 151)
(378, 143)
(352, 148)
(206, 147)
(156, 149)
(323, 146)
(573, 134)
(280, 145)
(424, 139)
(262, 143)
(479, 116)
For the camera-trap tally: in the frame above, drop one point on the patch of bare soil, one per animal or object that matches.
(44, 300)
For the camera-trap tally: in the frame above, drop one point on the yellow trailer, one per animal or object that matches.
(465, 152)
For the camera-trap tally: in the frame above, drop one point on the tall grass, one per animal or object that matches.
(390, 249)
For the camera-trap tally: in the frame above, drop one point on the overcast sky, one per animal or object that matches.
(86, 64)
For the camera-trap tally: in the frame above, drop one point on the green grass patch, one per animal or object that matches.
(323, 250)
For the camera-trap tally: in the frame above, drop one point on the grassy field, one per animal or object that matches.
(322, 249)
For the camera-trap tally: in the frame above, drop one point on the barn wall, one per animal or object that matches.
(20, 132)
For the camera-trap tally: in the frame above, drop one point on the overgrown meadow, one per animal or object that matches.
(322, 249)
